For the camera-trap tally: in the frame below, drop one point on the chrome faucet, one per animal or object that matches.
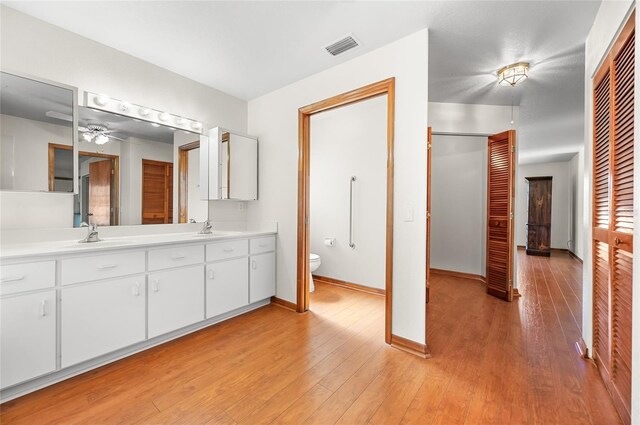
(206, 228)
(92, 231)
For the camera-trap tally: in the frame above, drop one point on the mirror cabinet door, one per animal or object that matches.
(37, 121)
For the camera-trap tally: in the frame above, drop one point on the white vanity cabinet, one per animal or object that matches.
(227, 286)
(28, 336)
(98, 318)
(79, 309)
(176, 299)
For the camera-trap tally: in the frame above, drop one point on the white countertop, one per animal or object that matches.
(63, 247)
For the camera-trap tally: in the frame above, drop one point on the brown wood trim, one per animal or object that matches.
(183, 179)
(410, 346)
(283, 303)
(461, 275)
(575, 257)
(516, 293)
(581, 346)
(52, 162)
(380, 88)
(348, 285)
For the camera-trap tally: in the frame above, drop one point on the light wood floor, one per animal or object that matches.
(493, 362)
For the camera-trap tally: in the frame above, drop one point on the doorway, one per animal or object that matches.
(98, 186)
(385, 87)
(189, 203)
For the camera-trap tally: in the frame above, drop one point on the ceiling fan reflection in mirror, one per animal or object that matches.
(97, 133)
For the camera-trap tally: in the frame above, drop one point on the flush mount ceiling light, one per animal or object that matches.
(511, 75)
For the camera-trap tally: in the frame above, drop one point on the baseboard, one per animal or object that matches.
(582, 349)
(575, 257)
(348, 285)
(410, 346)
(284, 303)
(459, 275)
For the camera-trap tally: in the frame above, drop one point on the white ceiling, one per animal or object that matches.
(251, 48)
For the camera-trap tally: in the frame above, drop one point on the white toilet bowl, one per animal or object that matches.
(314, 263)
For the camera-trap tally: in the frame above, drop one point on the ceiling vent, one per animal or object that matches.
(347, 43)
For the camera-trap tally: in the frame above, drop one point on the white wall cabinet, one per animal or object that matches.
(28, 338)
(176, 299)
(227, 286)
(262, 276)
(102, 317)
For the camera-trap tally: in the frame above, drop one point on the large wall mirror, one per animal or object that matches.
(134, 172)
(33, 115)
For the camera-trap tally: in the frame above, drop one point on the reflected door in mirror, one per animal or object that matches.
(157, 192)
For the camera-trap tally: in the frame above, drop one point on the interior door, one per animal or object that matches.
(100, 178)
(157, 192)
(428, 274)
(500, 204)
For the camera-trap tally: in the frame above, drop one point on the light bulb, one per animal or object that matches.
(87, 137)
(102, 100)
(101, 139)
(164, 116)
(144, 111)
(180, 121)
(196, 125)
(124, 106)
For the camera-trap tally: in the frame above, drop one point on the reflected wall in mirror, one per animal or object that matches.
(128, 172)
(236, 158)
(35, 115)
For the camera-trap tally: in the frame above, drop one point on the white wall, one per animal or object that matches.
(37, 48)
(560, 201)
(345, 142)
(576, 190)
(274, 119)
(24, 152)
(459, 203)
(608, 23)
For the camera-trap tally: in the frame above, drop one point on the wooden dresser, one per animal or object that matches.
(539, 216)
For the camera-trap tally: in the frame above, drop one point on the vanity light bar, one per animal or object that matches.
(105, 103)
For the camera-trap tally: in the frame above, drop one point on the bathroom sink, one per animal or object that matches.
(217, 233)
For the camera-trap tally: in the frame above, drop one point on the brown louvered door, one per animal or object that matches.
(613, 150)
(500, 201)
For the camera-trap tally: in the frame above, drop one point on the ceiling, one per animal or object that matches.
(251, 48)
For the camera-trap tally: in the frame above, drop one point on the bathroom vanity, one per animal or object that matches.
(69, 307)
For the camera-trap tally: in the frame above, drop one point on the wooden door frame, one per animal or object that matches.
(381, 88)
(183, 179)
(116, 173)
(152, 162)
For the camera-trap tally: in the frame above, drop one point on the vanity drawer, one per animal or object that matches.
(227, 249)
(16, 278)
(260, 245)
(84, 269)
(184, 255)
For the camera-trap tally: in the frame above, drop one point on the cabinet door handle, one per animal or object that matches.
(211, 274)
(178, 257)
(43, 308)
(154, 285)
(107, 266)
(136, 289)
(12, 279)
(227, 249)
(254, 264)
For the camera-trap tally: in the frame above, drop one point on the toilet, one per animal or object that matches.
(314, 263)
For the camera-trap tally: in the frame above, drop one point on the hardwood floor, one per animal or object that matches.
(493, 362)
